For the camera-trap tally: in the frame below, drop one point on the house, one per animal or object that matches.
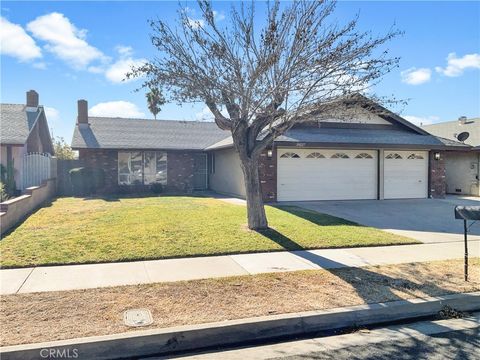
(462, 168)
(370, 156)
(23, 130)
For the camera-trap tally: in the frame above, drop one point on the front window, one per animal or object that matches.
(142, 167)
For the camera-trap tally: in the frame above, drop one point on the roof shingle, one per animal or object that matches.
(122, 133)
(15, 123)
(366, 136)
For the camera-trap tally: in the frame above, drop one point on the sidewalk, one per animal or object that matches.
(69, 277)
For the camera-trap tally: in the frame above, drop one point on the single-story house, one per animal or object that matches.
(462, 167)
(371, 156)
(23, 129)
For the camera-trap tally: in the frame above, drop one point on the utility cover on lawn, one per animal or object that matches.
(137, 317)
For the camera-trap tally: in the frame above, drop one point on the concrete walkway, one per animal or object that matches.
(69, 277)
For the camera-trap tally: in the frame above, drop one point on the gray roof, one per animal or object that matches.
(122, 133)
(16, 123)
(348, 136)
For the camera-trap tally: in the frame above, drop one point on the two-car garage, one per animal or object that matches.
(343, 174)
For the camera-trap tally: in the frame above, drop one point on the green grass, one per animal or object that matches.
(73, 230)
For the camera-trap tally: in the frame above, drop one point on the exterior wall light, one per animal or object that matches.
(436, 156)
(269, 153)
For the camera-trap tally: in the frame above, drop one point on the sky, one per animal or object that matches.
(68, 50)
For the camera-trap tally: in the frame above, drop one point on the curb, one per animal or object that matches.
(190, 337)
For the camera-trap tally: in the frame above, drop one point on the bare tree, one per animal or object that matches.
(260, 80)
(155, 100)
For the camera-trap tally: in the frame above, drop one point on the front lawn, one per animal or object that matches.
(74, 230)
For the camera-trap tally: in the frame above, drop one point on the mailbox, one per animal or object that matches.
(466, 213)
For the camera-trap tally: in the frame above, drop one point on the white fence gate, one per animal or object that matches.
(38, 167)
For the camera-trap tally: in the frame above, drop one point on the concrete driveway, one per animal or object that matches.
(427, 220)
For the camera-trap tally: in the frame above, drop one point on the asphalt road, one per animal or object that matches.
(429, 340)
(451, 345)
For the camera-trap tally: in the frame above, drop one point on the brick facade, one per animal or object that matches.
(180, 167)
(268, 175)
(102, 159)
(437, 175)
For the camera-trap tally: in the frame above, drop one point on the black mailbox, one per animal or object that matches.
(467, 213)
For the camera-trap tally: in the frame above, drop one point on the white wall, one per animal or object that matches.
(17, 155)
(18, 152)
(451, 129)
(461, 172)
(228, 176)
(3, 155)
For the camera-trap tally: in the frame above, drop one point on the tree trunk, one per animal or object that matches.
(257, 219)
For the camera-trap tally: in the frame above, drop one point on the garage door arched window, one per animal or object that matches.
(414, 157)
(340, 156)
(393, 156)
(364, 156)
(290, 155)
(315, 155)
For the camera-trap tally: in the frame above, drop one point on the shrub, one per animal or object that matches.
(156, 188)
(62, 150)
(3, 174)
(86, 181)
(7, 179)
(3, 192)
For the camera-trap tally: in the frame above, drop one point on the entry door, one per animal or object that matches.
(326, 174)
(200, 172)
(405, 174)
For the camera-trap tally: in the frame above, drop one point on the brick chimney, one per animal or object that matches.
(82, 117)
(32, 99)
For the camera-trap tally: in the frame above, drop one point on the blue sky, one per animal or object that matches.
(72, 50)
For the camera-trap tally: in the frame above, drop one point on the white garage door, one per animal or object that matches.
(405, 174)
(320, 174)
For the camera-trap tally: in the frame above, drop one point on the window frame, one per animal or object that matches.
(363, 156)
(315, 155)
(414, 156)
(393, 156)
(130, 175)
(290, 155)
(340, 155)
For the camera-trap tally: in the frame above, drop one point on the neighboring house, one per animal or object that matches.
(23, 130)
(367, 157)
(462, 168)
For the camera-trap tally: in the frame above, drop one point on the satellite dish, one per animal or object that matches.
(463, 136)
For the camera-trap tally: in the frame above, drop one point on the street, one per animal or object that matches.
(432, 340)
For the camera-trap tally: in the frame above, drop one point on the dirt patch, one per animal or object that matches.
(37, 317)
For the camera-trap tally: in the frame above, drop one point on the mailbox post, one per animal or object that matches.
(467, 213)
